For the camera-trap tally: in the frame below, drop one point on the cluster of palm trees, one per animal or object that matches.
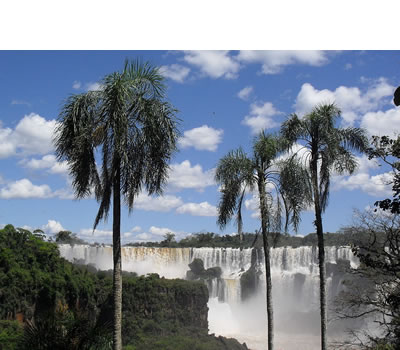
(291, 172)
(119, 139)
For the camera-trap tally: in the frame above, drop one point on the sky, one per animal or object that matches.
(224, 99)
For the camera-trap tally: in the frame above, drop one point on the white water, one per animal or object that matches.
(295, 287)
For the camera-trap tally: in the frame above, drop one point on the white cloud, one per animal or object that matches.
(253, 204)
(47, 162)
(274, 60)
(88, 232)
(76, 85)
(161, 203)
(7, 143)
(52, 227)
(374, 185)
(160, 231)
(183, 176)
(32, 135)
(175, 72)
(143, 237)
(93, 86)
(65, 193)
(348, 66)
(25, 189)
(377, 185)
(216, 64)
(198, 209)
(203, 138)
(260, 117)
(351, 100)
(382, 123)
(245, 93)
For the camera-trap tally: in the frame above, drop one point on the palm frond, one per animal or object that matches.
(234, 172)
(74, 140)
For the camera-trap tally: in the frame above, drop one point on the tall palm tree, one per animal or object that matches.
(329, 150)
(130, 126)
(237, 173)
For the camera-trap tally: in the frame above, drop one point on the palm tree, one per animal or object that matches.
(129, 125)
(329, 149)
(237, 173)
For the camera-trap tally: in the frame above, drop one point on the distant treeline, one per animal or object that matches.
(346, 237)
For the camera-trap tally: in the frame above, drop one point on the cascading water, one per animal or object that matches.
(295, 282)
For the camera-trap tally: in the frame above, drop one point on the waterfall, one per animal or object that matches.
(294, 270)
(295, 279)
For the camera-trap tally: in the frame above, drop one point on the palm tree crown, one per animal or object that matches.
(286, 180)
(329, 147)
(131, 126)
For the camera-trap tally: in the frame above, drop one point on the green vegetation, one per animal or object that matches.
(48, 303)
(374, 290)
(67, 237)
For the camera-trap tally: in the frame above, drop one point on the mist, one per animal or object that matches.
(295, 291)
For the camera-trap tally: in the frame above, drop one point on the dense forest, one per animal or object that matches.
(48, 303)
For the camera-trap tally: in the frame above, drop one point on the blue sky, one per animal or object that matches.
(224, 98)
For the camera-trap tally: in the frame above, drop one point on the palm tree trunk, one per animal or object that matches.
(117, 277)
(264, 230)
(321, 253)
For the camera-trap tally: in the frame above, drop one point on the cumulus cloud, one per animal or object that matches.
(245, 93)
(175, 72)
(52, 227)
(184, 175)
(162, 203)
(47, 162)
(352, 101)
(32, 135)
(99, 233)
(160, 231)
(273, 61)
(24, 189)
(143, 237)
(198, 209)
(374, 185)
(215, 64)
(260, 117)
(204, 138)
(253, 204)
(382, 123)
(7, 143)
(377, 185)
